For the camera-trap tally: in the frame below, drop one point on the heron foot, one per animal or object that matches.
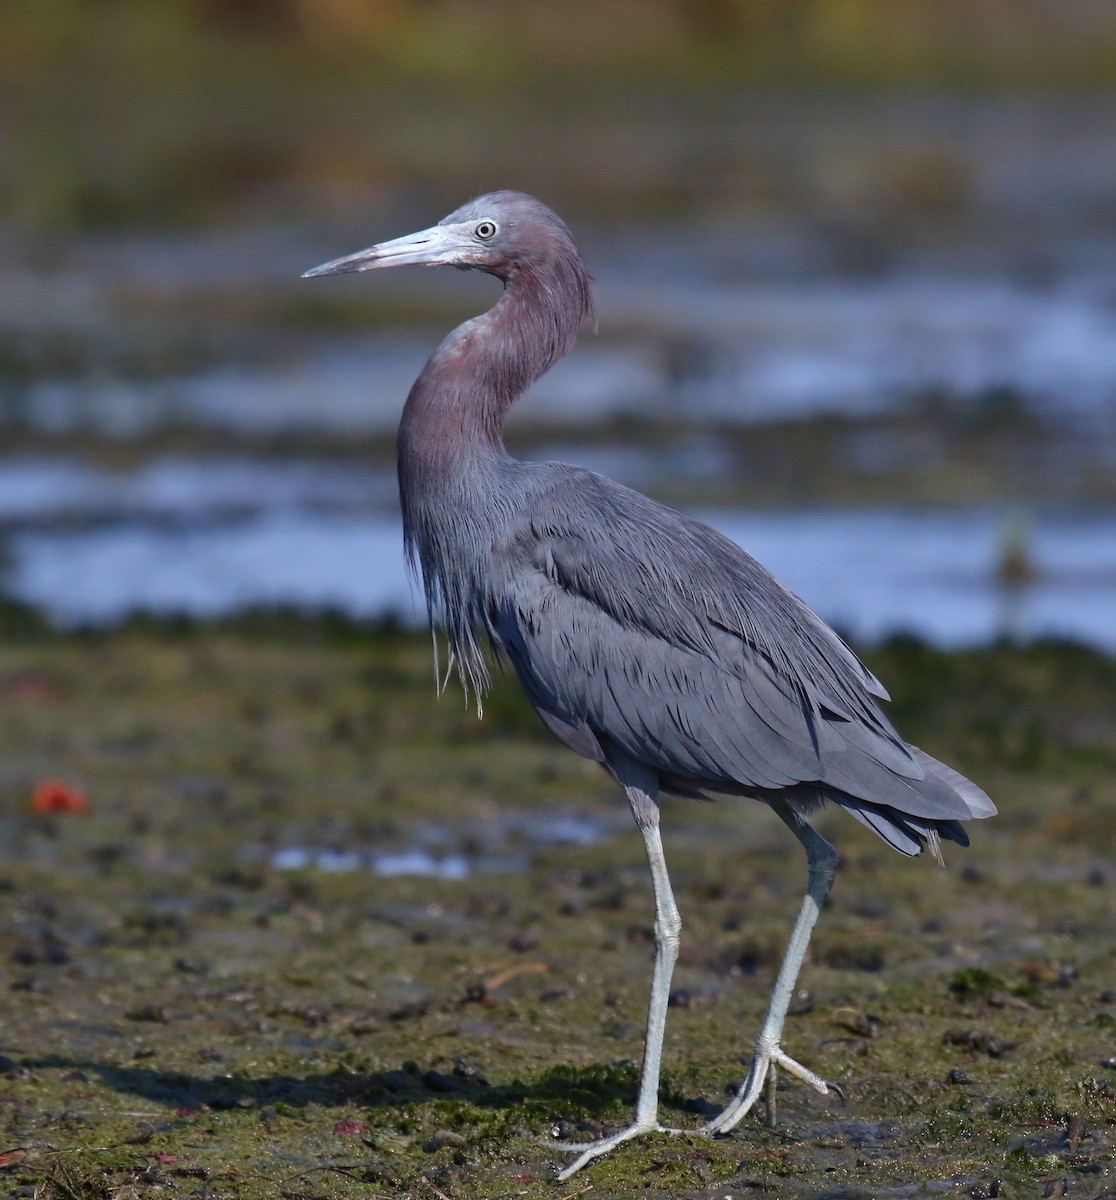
(587, 1151)
(764, 1062)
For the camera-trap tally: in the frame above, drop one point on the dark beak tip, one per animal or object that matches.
(325, 269)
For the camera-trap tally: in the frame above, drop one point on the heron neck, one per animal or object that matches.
(454, 473)
(457, 405)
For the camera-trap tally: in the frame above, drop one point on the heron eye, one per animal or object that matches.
(485, 230)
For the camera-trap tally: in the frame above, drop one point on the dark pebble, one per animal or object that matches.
(441, 1139)
(148, 1012)
(958, 1076)
(973, 1039)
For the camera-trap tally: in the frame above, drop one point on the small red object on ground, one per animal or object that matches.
(54, 796)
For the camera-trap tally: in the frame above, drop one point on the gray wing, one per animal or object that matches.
(632, 625)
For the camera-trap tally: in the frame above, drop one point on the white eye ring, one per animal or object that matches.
(485, 230)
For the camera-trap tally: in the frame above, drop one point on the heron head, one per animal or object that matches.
(493, 233)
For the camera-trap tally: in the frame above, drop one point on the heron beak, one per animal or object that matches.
(441, 245)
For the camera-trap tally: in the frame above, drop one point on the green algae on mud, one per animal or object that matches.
(180, 1014)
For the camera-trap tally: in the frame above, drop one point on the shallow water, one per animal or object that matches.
(404, 862)
(210, 536)
(505, 842)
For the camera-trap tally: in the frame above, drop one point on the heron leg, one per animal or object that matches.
(642, 789)
(769, 1054)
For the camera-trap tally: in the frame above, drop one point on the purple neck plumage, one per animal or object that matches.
(462, 395)
(451, 435)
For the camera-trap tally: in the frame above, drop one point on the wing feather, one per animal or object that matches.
(632, 625)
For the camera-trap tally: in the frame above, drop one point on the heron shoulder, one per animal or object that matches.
(650, 567)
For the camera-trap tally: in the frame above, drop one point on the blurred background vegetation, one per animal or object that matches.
(127, 111)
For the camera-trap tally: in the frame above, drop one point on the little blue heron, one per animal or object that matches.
(645, 640)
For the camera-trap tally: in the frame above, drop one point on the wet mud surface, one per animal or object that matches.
(212, 985)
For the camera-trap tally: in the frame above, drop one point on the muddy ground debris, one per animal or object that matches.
(183, 1015)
